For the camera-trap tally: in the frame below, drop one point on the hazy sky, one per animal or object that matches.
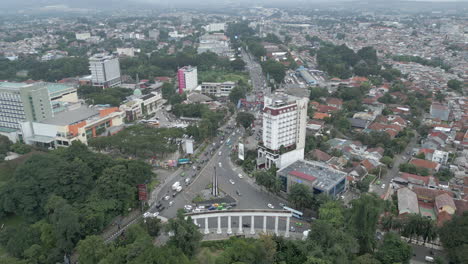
(90, 4)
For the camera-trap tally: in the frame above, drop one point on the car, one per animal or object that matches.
(188, 207)
(238, 193)
(270, 206)
(219, 154)
(158, 205)
(171, 203)
(231, 181)
(383, 186)
(292, 229)
(167, 197)
(220, 165)
(240, 176)
(211, 208)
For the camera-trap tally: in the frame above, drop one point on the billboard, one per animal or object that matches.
(142, 192)
(188, 146)
(183, 161)
(241, 151)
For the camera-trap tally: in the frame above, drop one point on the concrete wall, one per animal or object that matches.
(289, 158)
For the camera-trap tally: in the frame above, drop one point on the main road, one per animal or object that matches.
(259, 83)
(251, 196)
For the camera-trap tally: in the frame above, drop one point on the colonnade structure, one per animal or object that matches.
(239, 214)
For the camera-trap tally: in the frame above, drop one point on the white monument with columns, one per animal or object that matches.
(239, 214)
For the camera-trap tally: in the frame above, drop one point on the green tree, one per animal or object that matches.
(332, 212)
(387, 160)
(153, 226)
(365, 259)
(276, 70)
(238, 64)
(92, 249)
(186, 236)
(65, 222)
(393, 250)
(454, 238)
(317, 92)
(236, 94)
(245, 119)
(455, 84)
(300, 195)
(363, 220)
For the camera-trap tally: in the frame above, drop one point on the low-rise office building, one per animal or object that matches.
(318, 176)
(78, 122)
(217, 89)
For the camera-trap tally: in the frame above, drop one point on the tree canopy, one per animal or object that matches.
(65, 195)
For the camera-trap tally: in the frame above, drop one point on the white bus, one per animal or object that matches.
(295, 213)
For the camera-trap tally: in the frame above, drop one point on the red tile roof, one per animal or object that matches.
(429, 194)
(326, 109)
(302, 175)
(367, 164)
(320, 115)
(426, 151)
(320, 155)
(334, 101)
(409, 176)
(424, 164)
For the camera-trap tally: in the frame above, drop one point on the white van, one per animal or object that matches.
(429, 259)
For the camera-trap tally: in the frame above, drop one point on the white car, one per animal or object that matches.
(166, 197)
(171, 203)
(231, 181)
(383, 186)
(188, 207)
(240, 176)
(270, 206)
(220, 165)
(219, 154)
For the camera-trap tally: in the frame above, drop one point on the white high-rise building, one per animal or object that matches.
(284, 130)
(187, 78)
(105, 70)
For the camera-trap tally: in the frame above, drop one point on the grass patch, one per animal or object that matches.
(154, 182)
(221, 76)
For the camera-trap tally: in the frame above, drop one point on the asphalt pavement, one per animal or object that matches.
(394, 171)
(251, 197)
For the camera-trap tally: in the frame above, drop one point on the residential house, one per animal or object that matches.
(335, 102)
(315, 126)
(431, 166)
(319, 155)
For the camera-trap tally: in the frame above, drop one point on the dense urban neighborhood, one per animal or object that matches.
(234, 133)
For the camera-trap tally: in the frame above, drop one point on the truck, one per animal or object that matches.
(175, 186)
